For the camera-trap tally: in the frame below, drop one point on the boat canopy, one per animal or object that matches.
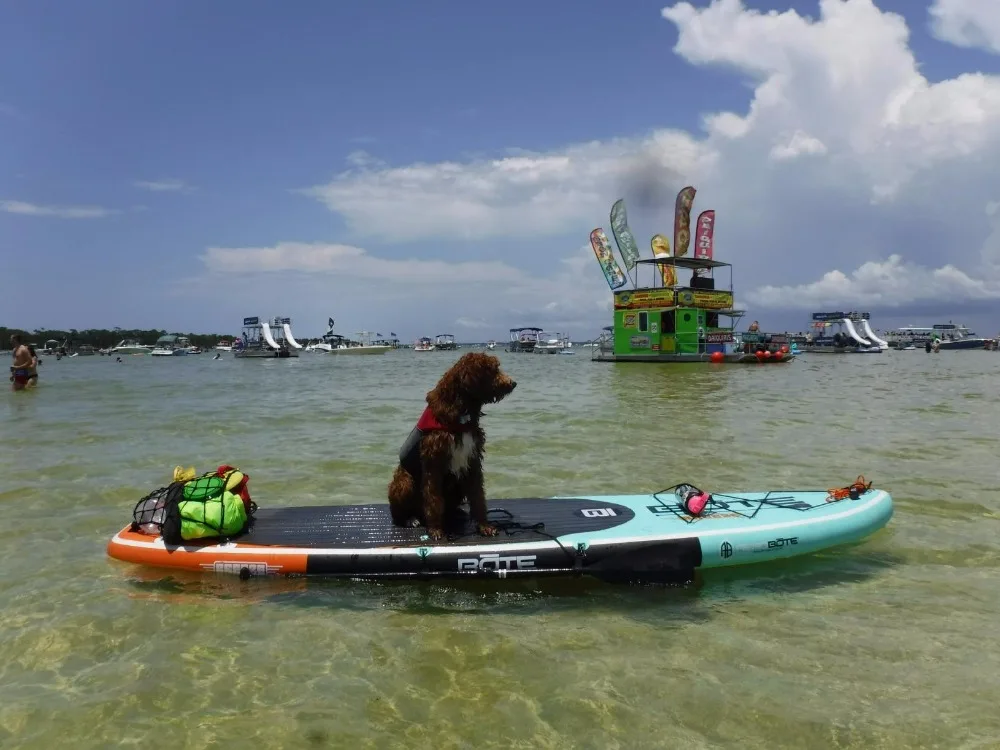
(684, 262)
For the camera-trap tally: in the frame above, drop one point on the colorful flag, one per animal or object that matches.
(682, 221)
(704, 236)
(623, 235)
(660, 246)
(612, 271)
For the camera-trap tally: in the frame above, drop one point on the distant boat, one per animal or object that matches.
(523, 339)
(553, 343)
(445, 341)
(364, 345)
(171, 345)
(258, 340)
(130, 346)
(423, 345)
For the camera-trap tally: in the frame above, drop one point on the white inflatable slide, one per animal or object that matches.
(871, 335)
(853, 332)
(288, 336)
(265, 330)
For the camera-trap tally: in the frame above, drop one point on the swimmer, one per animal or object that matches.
(20, 371)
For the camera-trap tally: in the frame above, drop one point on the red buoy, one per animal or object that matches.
(717, 357)
(766, 354)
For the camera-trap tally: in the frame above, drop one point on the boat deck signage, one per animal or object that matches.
(640, 299)
(719, 337)
(705, 299)
(647, 299)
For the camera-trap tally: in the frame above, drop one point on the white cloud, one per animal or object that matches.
(799, 144)
(164, 186)
(521, 194)
(349, 261)
(308, 280)
(59, 212)
(967, 23)
(882, 284)
(845, 155)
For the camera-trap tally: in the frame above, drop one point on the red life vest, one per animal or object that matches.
(409, 454)
(428, 423)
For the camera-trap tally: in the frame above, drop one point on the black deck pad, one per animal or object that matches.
(362, 526)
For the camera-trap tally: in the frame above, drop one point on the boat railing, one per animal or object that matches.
(603, 344)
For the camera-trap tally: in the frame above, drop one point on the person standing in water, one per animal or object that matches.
(33, 373)
(20, 371)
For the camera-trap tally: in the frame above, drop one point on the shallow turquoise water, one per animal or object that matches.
(891, 643)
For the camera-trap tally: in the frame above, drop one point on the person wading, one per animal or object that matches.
(21, 369)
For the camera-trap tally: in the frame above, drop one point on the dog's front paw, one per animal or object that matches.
(486, 529)
(413, 523)
(435, 534)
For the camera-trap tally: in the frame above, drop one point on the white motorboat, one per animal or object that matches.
(130, 346)
(171, 345)
(551, 343)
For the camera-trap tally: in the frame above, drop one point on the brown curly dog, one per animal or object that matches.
(441, 462)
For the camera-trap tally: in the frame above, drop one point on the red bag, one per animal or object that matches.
(240, 489)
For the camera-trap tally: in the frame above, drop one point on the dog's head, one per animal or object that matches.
(476, 379)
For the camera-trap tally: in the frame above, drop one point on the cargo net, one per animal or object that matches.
(150, 512)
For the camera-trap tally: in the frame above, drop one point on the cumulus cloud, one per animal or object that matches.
(521, 194)
(967, 23)
(58, 212)
(845, 156)
(884, 284)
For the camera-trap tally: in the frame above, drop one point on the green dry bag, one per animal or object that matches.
(202, 508)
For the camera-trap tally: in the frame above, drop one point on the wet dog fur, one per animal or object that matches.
(451, 459)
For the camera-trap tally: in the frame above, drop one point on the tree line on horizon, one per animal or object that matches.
(102, 338)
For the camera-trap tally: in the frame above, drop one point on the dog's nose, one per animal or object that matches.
(513, 384)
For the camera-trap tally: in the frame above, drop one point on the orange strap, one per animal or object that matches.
(841, 492)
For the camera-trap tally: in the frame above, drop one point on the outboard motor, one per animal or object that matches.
(927, 347)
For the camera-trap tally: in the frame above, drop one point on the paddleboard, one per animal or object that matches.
(616, 537)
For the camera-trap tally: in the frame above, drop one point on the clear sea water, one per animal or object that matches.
(891, 643)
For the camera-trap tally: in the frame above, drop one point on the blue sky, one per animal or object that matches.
(435, 167)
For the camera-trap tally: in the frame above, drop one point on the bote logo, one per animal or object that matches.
(597, 512)
(726, 550)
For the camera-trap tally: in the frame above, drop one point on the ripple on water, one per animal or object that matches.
(886, 643)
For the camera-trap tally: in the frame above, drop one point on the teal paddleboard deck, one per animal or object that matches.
(616, 537)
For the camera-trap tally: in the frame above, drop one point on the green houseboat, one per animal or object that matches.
(693, 323)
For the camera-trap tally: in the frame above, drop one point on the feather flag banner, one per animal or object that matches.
(682, 221)
(623, 235)
(612, 271)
